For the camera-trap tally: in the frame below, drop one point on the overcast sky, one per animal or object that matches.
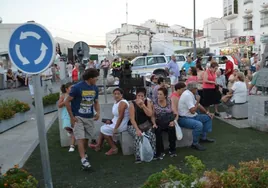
(89, 20)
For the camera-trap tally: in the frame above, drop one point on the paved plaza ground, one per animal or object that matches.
(232, 146)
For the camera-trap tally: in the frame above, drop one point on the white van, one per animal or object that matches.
(152, 64)
(180, 59)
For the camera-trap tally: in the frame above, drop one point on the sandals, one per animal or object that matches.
(112, 151)
(95, 147)
(228, 117)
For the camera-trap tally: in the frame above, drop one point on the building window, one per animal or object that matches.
(264, 19)
(235, 6)
(205, 44)
(247, 24)
(128, 48)
(144, 47)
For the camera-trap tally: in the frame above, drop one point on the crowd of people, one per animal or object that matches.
(154, 110)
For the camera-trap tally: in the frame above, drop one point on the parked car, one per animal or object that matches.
(218, 59)
(153, 64)
(180, 59)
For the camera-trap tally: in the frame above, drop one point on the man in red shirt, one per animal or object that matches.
(229, 68)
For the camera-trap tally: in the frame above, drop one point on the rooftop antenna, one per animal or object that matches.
(127, 14)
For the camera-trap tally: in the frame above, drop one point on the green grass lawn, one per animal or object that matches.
(232, 146)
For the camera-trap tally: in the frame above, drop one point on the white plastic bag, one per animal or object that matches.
(178, 131)
(146, 150)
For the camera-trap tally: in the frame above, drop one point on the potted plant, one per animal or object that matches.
(12, 113)
(50, 102)
(17, 178)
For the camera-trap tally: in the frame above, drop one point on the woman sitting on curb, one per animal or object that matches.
(140, 113)
(117, 125)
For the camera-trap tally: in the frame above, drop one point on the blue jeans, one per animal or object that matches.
(201, 124)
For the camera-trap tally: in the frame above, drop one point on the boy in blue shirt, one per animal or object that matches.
(81, 103)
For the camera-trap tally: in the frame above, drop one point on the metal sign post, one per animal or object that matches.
(32, 50)
(105, 89)
(38, 103)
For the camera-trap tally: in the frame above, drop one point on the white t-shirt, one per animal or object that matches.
(239, 92)
(70, 67)
(186, 102)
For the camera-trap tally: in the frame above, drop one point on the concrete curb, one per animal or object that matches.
(29, 152)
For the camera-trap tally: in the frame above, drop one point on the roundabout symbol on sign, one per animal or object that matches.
(25, 54)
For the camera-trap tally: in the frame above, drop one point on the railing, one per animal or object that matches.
(230, 33)
(247, 1)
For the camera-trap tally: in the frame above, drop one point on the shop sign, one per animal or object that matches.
(264, 39)
(248, 40)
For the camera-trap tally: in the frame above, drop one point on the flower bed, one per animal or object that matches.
(17, 178)
(253, 174)
(12, 113)
(50, 102)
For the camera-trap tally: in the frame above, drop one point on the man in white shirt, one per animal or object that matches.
(189, 104)
(69, 69)
(47, 81)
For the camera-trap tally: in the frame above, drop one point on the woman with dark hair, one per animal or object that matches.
(160, 83)
(163, 120)
(209, 87)
(192, 75)
(210, 59)
(117, 125)
(175, 96)
(65, 118)
(140, 113)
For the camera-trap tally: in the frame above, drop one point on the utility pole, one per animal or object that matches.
(138, 41)
(194, 34)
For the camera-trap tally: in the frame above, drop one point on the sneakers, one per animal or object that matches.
(85, 163)
(161, 156)
(138, 161)
(172, 154)
(198, 147)
(72, 147)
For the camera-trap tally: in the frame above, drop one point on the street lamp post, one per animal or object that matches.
(194, 33)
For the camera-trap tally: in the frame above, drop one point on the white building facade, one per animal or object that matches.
(247, 24)
(125, 29)
(213, 35)
(168, 43)
(131, 43)
(154, 37)
(5, 33)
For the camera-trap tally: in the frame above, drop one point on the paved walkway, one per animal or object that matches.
(241, 124)
(17, 144)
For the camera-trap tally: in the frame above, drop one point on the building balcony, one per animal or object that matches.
(230, 33)
(264, 5)
(248, 11)
(247, 1)
(231, 16)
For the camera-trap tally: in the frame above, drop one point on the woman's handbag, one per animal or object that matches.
(164, 120)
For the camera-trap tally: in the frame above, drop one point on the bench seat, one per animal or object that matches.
(127, 142)
(240, 111)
